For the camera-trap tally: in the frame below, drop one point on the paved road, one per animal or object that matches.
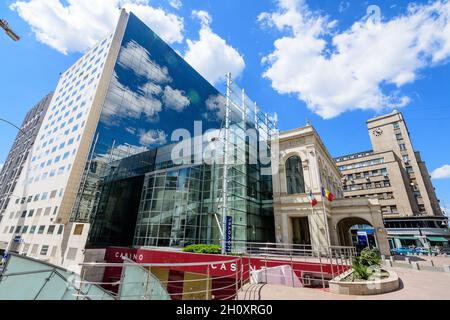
(421, 285)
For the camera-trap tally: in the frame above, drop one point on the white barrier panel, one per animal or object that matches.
(281, 275)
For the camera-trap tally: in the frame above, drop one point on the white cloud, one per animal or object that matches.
(76, 25)
(441, 173)
(336, 71)
(177, 4)
(211, 56)
(152, 138)
(175, 99)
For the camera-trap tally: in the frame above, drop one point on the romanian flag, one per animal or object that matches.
(327, 194)
(312, 199)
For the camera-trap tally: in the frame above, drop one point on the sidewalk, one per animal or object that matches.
(420, 285)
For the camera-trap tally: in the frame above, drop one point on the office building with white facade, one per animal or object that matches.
(100, 172)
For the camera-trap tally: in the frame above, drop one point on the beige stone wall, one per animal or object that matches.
(322, 219)
(386, 144)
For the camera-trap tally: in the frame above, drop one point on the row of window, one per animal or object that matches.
(366, 186)
(40, 196)
(34, 229)
(389, 210)
(367, 174)
(379, 196)
(44, 251)
(362, 164)
(31, 213)
(354, 156)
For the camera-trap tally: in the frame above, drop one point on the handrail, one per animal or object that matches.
(167, 264)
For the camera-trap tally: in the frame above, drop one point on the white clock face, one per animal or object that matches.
(378, 132)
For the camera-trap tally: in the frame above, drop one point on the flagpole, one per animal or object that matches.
(327, 230)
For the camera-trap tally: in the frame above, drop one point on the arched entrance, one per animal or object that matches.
(349, 236)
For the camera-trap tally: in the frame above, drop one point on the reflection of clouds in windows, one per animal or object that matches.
(175, 99)
(216, 106)
(136, 58)
(120, 152)
(124, 102)
(152, 138)
(130, 130)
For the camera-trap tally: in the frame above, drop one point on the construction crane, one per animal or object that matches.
(4, 25)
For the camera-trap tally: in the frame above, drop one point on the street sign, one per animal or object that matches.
(228, 233)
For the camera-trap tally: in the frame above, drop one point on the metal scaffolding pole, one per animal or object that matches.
(225, 164)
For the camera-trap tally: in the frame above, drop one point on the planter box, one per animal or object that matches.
(362, 287)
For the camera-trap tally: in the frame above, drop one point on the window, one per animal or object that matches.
(78, 230)
(396, 125)
(41, 229)
(53, 194)
(60, 229)
(402, 146)
(30, 214)
(44, 250)
(294, 175)
(51, 229)
(32, 229)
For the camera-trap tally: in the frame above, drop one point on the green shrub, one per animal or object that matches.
(364, 265)
(203, 248)
(370, 257)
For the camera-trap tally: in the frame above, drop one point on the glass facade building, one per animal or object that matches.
(133, 192)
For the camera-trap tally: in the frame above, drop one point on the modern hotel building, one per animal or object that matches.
(102, 170)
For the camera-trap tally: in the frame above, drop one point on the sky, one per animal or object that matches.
(333, 63)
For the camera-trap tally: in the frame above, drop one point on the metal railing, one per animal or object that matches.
(199, 280)
(271, 263)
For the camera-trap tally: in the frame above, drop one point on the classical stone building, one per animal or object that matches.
(305, 166)
(394, 173)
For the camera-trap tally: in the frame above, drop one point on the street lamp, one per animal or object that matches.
(12, 124)
(5, 26)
